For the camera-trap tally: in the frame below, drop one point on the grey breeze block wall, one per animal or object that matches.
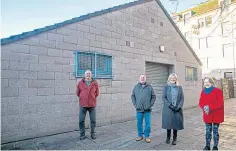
(38, 87)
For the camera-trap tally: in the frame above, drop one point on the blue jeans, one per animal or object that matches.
(147, 117)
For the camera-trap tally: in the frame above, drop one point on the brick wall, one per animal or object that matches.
(38, 88)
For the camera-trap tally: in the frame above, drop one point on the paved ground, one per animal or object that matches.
(122, 136)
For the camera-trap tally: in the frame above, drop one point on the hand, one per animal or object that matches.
(206, 109)
(172, 107)
(178, 109)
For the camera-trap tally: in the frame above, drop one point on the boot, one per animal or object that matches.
(174, 137)
(168, 137)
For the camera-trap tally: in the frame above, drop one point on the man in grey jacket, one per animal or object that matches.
(143, 98)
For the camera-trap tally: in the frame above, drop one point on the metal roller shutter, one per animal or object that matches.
(157, 75)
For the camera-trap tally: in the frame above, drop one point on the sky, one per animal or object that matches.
(19, 16)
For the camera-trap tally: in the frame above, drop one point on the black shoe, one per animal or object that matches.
(215, 148)
(207, 148)
(168, 141)
(82, 137)
(174, 141)
(93, 136)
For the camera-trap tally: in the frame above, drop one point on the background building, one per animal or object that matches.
(210, 29)
(41, 68)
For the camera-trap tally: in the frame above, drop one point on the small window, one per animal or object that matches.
(128, 43)
(201, 23)
(99, 64)
(208, 21)
(191, 74)
(226, 28)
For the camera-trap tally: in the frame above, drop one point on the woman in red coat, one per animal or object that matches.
(212, 104)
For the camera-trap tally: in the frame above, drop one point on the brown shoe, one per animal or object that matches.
(148, 140)
(139, 138)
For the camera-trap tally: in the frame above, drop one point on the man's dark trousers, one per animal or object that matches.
(82, 115)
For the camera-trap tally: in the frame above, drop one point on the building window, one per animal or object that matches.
(228, 75)
(186, 18)
(210, 42)
(227, 51)
(226, 28)
(201, 22)
(191, 74)
(208, 21)
(202, 43)
(99, 64)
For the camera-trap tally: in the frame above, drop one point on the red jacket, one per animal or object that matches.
(87, 94)
(215, 101)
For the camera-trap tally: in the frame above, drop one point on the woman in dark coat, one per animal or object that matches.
(172, 114)
(212, 104)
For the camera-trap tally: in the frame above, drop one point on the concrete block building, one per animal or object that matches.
(40, 69)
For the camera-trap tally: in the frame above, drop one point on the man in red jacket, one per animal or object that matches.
(87, 91)
(212, 104)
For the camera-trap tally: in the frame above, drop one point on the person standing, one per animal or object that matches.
(143, 98)
(212, 104)
(172, 113)
(87, 91)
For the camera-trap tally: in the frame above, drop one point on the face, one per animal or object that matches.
(142, 79)
(173, 80)
(207, 84)
(88, 75)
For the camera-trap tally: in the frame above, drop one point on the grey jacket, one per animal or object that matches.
(143, 97)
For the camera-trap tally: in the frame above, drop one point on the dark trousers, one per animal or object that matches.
(82, 116)
(209, 128)
(169, 133)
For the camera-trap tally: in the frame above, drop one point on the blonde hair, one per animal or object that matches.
(173, 75)
(210, 80)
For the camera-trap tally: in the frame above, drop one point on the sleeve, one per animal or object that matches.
(133, 97)
(97, 90)
(153, 97)
(201, 103)
(164, 96)
(77, 90)
(182, 98)
(219, 101)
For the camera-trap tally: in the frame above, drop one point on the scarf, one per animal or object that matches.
(208, 90)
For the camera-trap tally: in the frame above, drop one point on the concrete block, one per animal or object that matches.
(106, 45)
(61, 75)
(38, 50)
(71, 39)
(4, 83)
(61, 90)
(89, 36)
(5, 64)
(83, 42)
(116, 35)
(46, 75)
(10, 74)
(62, 61)
(38, 67)
(72, 26)
(54, 52)
(27, 91)
(45, 59)
(83, 28)
(28, 75)
(45, 91)
(116, 47)
(18, 83)
(68, 46)
(116, 84)
(129, 33)
(10, 56)
(111, 40)
(28, 109)
(101, 38)
(67, 54)
(111, 28)
(111, 90)
(18, 48)
(9, 92)
(53, 67)
(41, 83)
(68, 68)
(66, 31)
(95, 44)
(47, 43)
(106, 33)
(9, 110)
(19, 65)
(29, 41)
(55, 37)
(28, 58)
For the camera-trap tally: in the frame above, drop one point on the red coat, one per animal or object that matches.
(87, 94)
(215, 101)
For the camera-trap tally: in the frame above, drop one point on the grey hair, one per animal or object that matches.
(210, 80)
(173, 75)
(88, 71)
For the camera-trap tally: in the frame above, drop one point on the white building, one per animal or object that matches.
(210, 30)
